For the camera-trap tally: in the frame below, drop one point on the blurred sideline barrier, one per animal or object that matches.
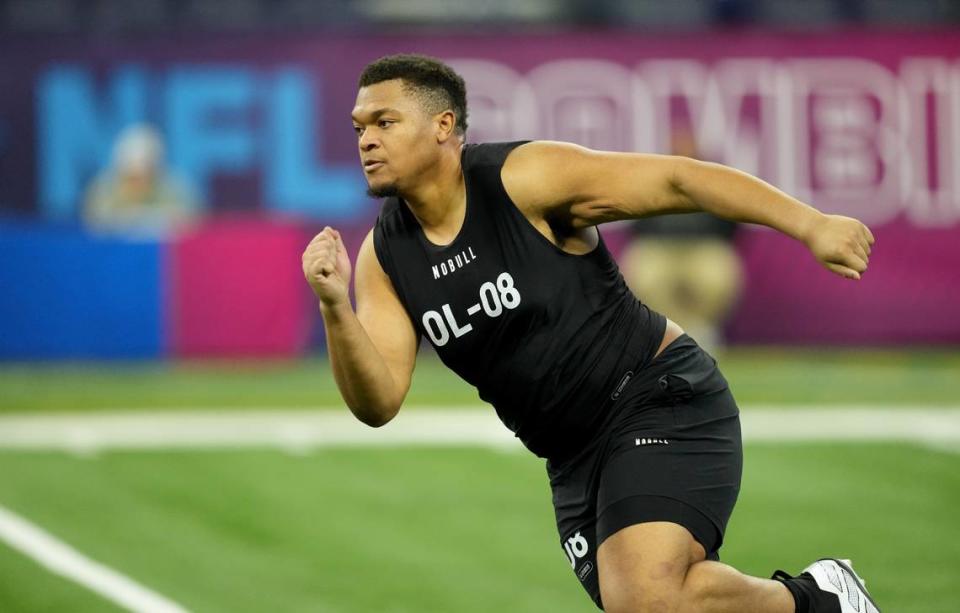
(237, 288)
(66, 294)
(234, 287)
(227, 287)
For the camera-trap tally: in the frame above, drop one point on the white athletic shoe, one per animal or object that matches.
(838, 577)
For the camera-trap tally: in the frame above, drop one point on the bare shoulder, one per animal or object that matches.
(378, 305)
(367, 252)
(367, 256)
(586, 187)
(529, 155)
(371, 281)
(539, 173)
(375, 293)
(383, 317)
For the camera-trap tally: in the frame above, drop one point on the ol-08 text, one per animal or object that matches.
(493, 299)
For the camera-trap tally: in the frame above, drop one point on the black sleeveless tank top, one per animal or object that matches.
(550, 339)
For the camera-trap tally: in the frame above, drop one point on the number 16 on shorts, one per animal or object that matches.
(494, 298)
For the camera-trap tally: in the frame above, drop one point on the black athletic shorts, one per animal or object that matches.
(670, 451)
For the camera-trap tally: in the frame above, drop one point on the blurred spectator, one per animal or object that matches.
(136, 194)
(685, 266)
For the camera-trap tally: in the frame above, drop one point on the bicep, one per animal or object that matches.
(383, 317)
(590, 187)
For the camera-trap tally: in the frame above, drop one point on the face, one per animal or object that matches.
(397, 138)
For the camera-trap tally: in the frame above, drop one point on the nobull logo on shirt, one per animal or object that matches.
(455, 263)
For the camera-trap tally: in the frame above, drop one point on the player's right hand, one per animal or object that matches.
(842, 244)
(326, 266)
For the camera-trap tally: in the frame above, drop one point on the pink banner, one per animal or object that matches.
(237, 290)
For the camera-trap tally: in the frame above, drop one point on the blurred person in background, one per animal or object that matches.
(136, 194)
(686, 266)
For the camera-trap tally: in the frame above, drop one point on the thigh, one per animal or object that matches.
(574, 485)
(677, 459)
(642, 567)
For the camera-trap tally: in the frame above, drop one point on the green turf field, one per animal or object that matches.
(447, 530)
(770, 376)
(431, 529)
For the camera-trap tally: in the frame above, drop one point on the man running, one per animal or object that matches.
(491, 252)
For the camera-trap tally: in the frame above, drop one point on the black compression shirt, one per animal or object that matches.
(545, 336)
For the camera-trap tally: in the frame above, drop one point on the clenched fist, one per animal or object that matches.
(326, 267)
(842, 244)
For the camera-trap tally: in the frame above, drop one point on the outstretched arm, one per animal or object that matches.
(581, 188)
(373, 351)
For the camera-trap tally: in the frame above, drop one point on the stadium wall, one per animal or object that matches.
(860, 123)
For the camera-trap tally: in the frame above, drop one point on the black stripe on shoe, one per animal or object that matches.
(849, 575)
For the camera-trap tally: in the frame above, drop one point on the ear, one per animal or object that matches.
(446, 123)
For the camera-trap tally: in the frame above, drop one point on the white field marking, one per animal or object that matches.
(60, 558)
(944, 447)
(300, 431)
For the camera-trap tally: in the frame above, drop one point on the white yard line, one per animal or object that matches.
(303, 430)
(60, 558)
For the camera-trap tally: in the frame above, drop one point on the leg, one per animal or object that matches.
(715, 275)
(651, 269)
(708, 273)
(658, 567)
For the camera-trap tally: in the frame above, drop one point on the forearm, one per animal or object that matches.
(738, 196)
(362, 375)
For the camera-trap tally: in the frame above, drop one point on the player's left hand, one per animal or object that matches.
(842, 244)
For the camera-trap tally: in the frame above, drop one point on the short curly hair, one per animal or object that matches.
(437, 85)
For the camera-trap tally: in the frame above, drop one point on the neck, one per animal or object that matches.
(438, 201)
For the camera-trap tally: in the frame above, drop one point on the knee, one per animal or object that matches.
(642, 568)
(655, 595)
(689, 594)
(653, 602)
(699, 588)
